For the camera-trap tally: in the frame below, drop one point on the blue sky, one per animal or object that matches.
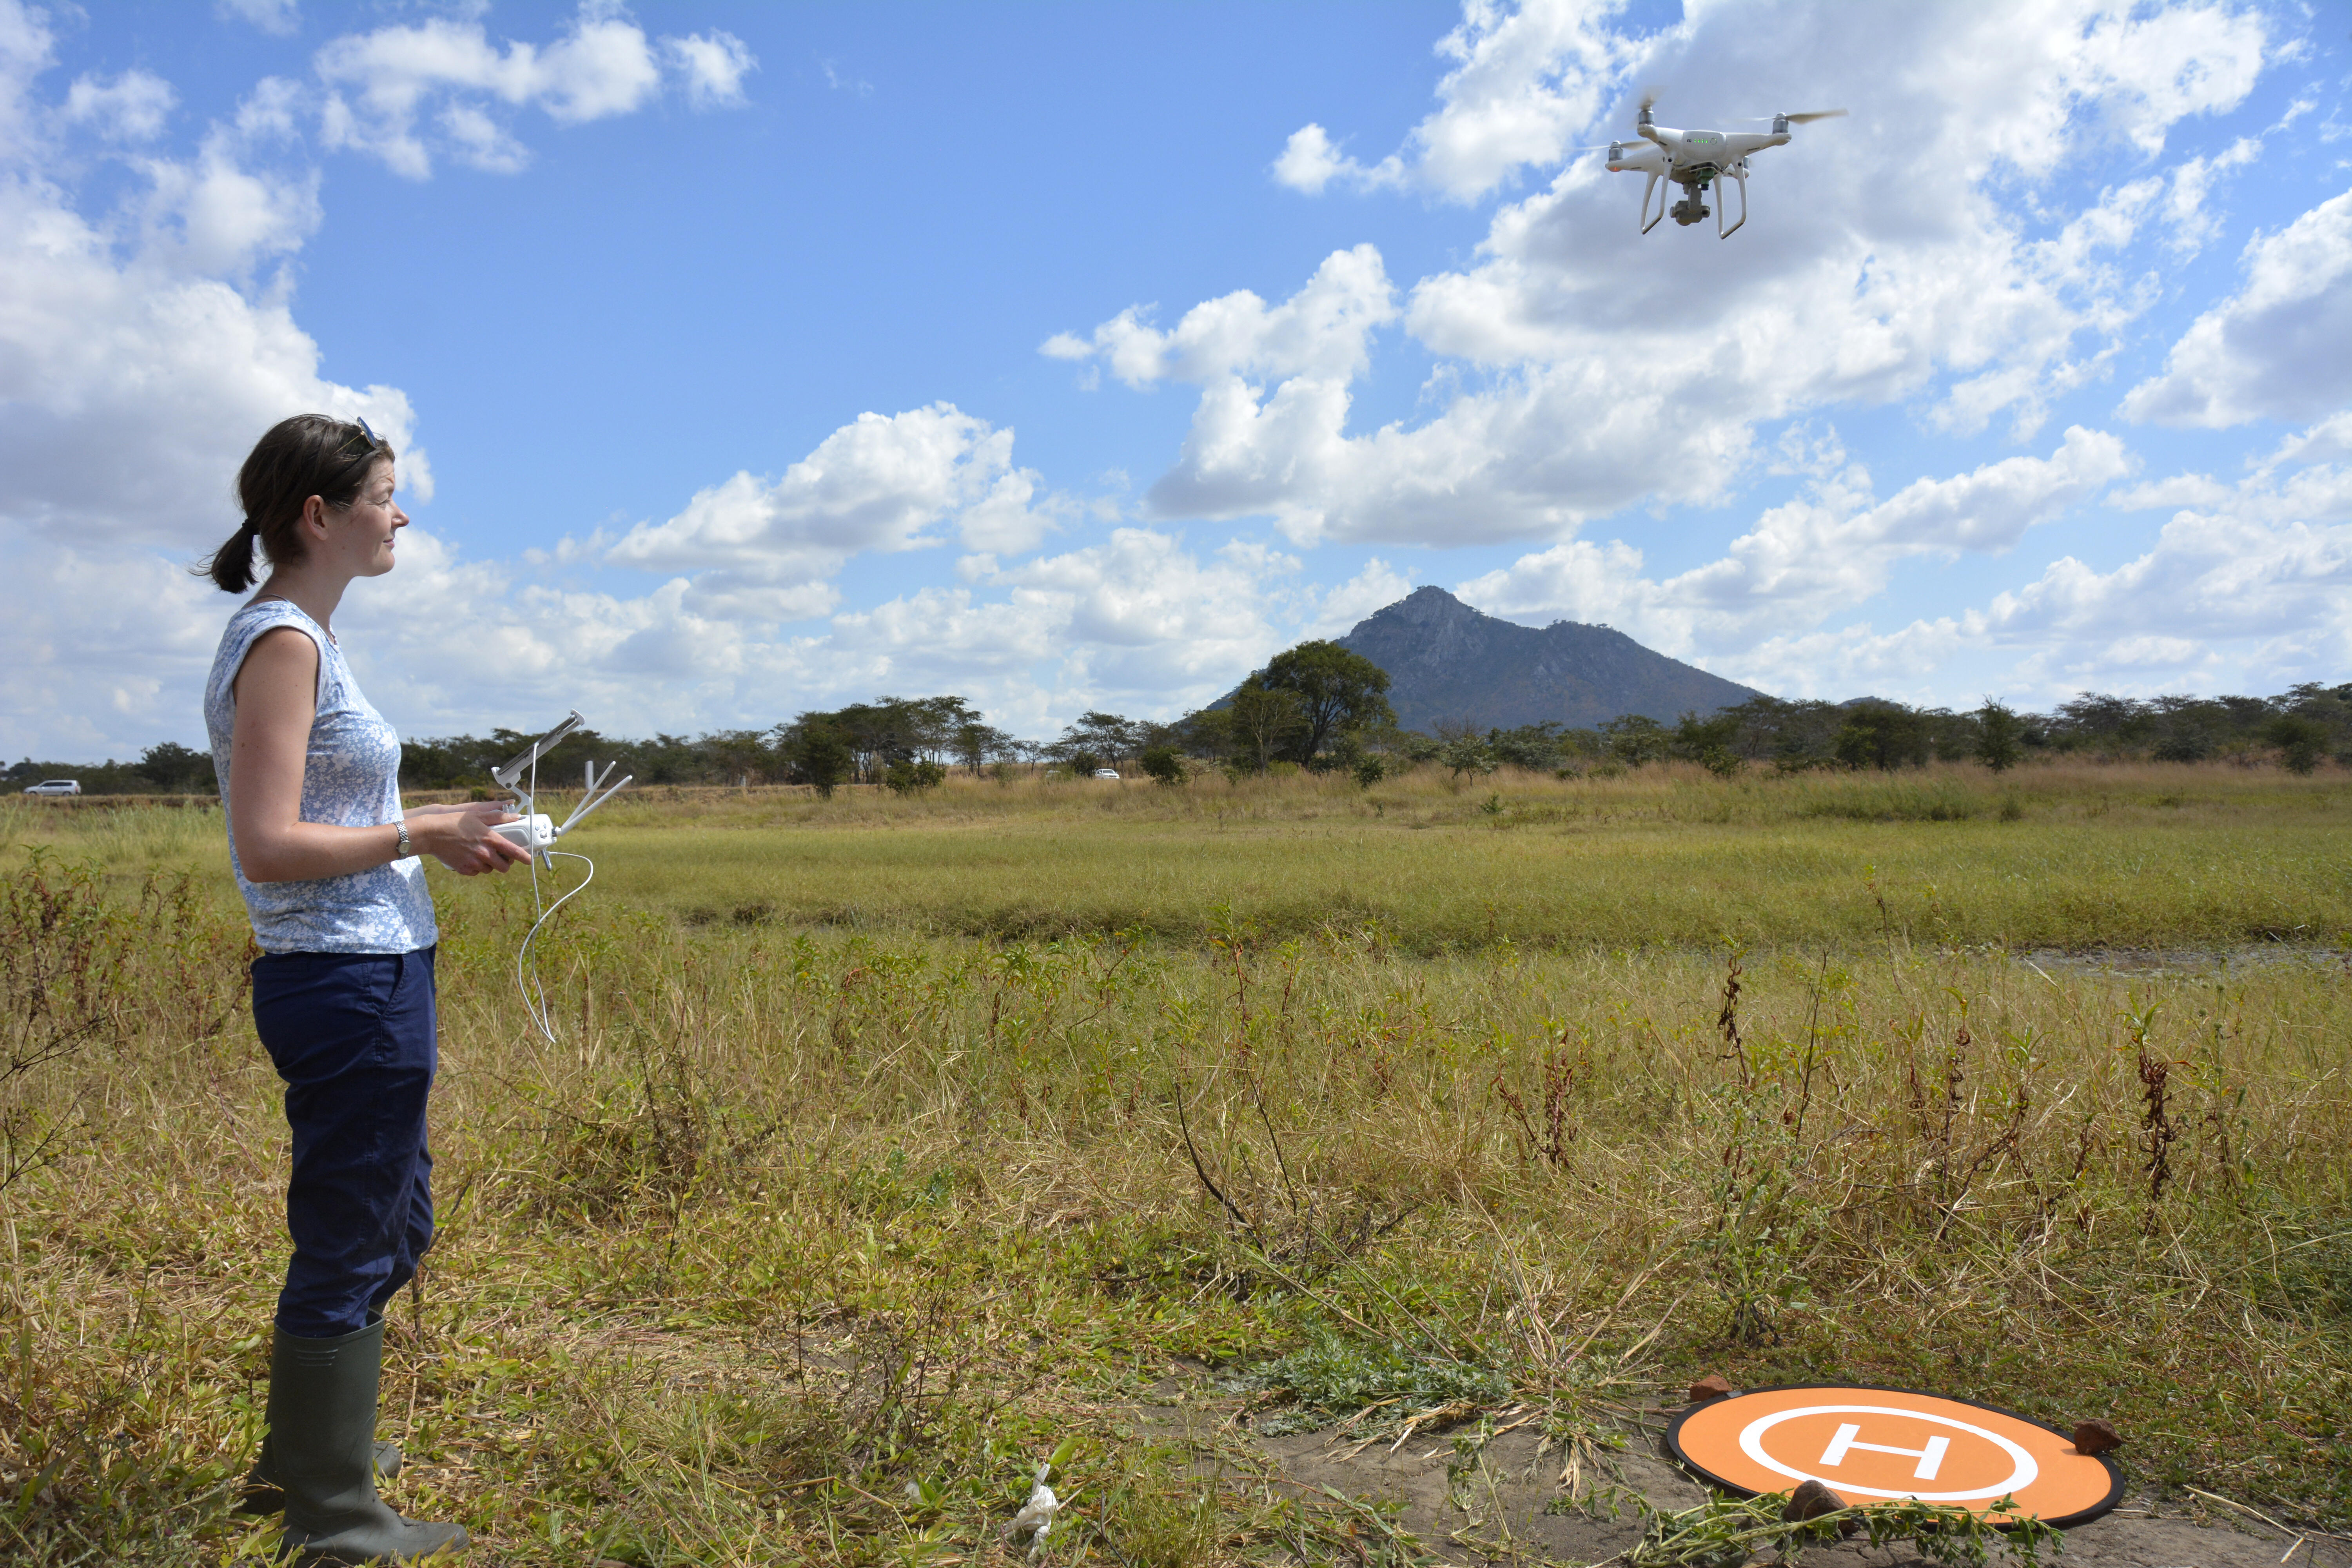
(748, 359)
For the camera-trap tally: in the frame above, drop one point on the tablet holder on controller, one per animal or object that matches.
(537, 833)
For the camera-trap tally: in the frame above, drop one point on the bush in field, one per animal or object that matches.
(1369, 769)
(179, 770)
(2301, 742)
(1162, 764)
(1999, 737)
(1469, 755)
(907, 777)
(1535, 747)
(1884, 736)
(1633, 738)
(822, 757)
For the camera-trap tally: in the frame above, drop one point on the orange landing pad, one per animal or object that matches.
(1879, 1445)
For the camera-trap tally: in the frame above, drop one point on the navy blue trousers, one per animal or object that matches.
(353, 1036)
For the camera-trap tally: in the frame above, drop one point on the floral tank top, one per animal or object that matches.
(351, 779)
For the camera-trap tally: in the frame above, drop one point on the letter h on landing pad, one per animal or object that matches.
(1929, 1447)
(1849, 1437)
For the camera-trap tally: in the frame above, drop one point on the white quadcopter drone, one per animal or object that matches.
(1695, 158)
(537, 833)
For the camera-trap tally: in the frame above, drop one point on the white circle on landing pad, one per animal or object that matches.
(1751, 1443)
(1888, 1444)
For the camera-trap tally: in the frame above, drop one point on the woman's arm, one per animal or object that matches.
(277, 699)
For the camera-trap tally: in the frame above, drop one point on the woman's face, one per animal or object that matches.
(360, 534)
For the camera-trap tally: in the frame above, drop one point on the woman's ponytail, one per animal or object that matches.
(308, 455)
(231, 566)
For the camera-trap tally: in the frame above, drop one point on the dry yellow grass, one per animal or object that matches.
(795, 1216)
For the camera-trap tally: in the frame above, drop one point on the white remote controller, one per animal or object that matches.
(534, 832)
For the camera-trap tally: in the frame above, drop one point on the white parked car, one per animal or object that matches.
(1106, 773)
(54, 786)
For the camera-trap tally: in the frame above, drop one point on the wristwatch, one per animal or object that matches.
(408, 850)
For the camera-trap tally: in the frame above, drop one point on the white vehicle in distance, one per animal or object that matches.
(54, 786)
(1106, 773)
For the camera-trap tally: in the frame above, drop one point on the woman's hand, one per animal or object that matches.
(275, 693)
(460, 837)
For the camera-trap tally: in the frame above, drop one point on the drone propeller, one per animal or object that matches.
(1805, 118)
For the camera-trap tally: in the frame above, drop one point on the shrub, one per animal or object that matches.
(1881, 735)
(1163, 765)
(1999, 739)
(907, 777)
(1468, 756)
(1633, 738)
(822, 757)
(2301, 742)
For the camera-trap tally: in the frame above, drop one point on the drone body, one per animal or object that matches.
(1695, 160)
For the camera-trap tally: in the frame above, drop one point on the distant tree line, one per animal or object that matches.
(1319, 707)
(2308, 724)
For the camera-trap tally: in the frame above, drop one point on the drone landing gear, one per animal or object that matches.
(1739, 173)
(1649, 223)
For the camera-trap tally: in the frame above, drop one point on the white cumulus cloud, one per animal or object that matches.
(1322, 331)
(281, 17)
(400, 93)
(132, 107)
(1525, 79)
(1822, 553)
(2281, 347)
(714, 65)
(765, 549)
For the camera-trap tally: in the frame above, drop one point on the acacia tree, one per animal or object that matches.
(1337, 691)
(1103, 739)
(976, 743)
(1265, 717)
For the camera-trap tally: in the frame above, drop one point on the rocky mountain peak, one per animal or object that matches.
(1449, 662)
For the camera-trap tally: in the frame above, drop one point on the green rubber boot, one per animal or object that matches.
(262, 1494)
(322, 1453)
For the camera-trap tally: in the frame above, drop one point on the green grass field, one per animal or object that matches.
(890, 1147)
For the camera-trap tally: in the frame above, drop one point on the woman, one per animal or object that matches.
(343, 997)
